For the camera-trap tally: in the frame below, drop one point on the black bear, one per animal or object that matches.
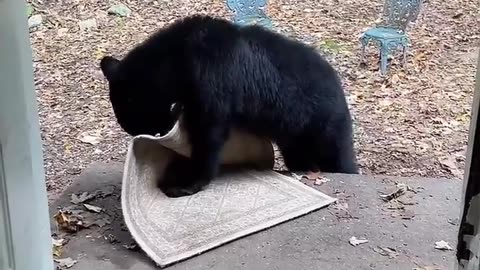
(225, 76)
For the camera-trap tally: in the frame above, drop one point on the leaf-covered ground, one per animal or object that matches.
(414, 123)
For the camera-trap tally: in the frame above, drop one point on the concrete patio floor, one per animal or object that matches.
(319, 240)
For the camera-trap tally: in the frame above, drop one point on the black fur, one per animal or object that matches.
(224, 76)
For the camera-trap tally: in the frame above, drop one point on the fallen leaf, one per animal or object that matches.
(442, 245)
(85, 196)
(405, 202)
(395, 78)
(57, 251)
(420, 57)
(340, 206)
(401, 75)
(427, 268)
(69, 221)
(463, 118)
(57, 245)
(101, 222)
(312, 175)
(317, 177)
(453, 221)
(321, 181)
(119, 10)
(449, 164)
(99, 53)
(68, 147)
(395, 205)
(58, 242)
(385, 102)
(87, 24)
(105, 192)
(35, 20)
(93, 208)
(111, 238)
(386, 251)
(66, 262)
(340, 210)
(86, 138)
(458, 15)
(296, 176)
(132, 246)
(62, 31)
(401, 189)
(355, 242)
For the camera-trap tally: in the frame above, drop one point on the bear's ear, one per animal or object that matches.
(109, 64)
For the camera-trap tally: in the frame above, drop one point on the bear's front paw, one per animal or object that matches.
(180, 179)
(177, 191)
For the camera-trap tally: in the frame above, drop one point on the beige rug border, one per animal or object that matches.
(188, 254)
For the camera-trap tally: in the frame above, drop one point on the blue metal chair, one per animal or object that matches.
(391, 32)
(247, 12)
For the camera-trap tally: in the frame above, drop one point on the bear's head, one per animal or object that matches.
(140, 104)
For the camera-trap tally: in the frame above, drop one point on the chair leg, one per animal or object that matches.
(364, 41)
(404, 60)
(383, 58)
(362, 59)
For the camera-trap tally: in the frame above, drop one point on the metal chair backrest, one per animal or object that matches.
(397, 14)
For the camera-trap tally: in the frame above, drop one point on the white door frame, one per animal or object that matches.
(25, 241)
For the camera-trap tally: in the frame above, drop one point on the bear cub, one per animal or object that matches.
(225, 76)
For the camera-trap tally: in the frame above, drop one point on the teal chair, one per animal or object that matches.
(391, 34)
(248, 12)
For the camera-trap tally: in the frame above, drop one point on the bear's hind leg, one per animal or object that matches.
(328, 150)
(334, 152)
(297, 155)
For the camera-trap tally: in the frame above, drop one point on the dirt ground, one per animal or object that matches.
(414, 122)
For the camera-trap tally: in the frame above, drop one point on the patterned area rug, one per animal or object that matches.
(232, 206)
